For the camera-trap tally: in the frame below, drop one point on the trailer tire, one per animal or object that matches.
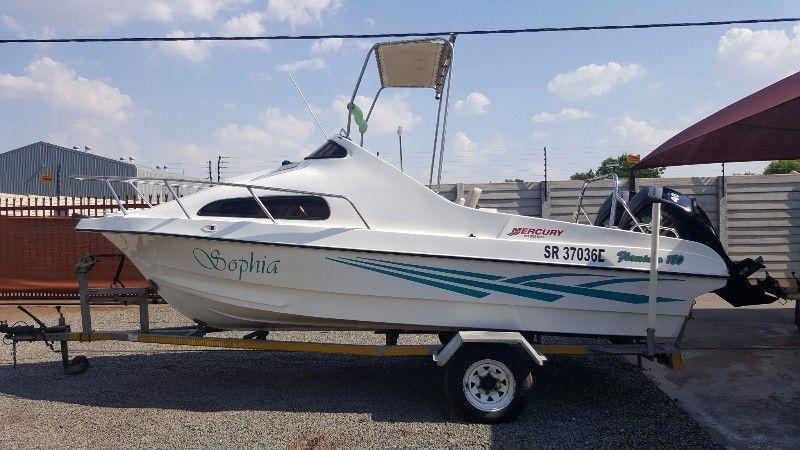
(78, 365)
(487, 383)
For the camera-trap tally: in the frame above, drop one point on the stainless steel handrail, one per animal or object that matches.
(615, 198)
(170, 182)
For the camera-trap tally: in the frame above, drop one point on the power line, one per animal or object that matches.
(303, 37)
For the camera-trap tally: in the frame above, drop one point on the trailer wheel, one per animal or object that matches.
(487, 383)
(78, 365)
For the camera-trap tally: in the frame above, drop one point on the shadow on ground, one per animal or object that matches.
(576, 402)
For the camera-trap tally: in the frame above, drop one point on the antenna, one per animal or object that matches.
(308, 106)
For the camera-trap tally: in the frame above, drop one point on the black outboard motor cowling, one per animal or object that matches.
(683, 214)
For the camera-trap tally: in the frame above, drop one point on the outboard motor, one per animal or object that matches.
(683, 217)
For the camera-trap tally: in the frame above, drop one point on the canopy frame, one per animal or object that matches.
(440, 83)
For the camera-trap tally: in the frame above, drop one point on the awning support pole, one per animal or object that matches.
(451, 42)
(655, 228)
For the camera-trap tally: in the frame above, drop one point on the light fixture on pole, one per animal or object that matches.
(400, 141)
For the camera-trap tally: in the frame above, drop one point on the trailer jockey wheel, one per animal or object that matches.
(487, 383)
(78, 365)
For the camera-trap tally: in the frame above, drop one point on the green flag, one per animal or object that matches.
(358, 116)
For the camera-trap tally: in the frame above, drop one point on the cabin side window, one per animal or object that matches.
(285, 207)
(328, 150)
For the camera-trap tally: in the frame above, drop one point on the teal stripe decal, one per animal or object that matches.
(484, 276)
(524, 278)
(504, 285)
(599, 293)
(623, 280)
(449, 287)
(513, 290)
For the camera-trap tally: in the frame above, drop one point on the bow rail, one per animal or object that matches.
(171, 183)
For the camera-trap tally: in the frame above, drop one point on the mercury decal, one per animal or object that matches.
(534, 232)
(252, 264)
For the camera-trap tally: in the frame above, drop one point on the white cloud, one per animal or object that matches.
(42, 32)
(11, 23)
(390, 112)
(370, 21)
(474, 103)
(204, 9)
(462, 143)
(92, 16)
(461, 151)
(194, 153)
(563, 115)
(277, 134)
(539, 134)
(61, 86)
(301, 12)
(248, 24)
(304, 64)
(638, 132)
(761, 51)
(327, 45)
(195, 51)
(593, 80)
(362, 44)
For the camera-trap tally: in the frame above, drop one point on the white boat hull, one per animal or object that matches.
(239, 285)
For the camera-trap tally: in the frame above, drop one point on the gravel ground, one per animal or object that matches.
(138, 395)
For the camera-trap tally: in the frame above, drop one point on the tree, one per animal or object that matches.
(515, 180)
(785, 166)
(582, 175)
(621, 167)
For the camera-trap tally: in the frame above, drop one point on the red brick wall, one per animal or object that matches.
(38, 256)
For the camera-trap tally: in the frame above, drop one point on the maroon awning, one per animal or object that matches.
(763, 126)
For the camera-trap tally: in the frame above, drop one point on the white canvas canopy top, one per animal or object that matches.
(414, 64)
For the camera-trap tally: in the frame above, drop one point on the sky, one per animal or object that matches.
(583, 95)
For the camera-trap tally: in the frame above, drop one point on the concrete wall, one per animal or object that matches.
(754, 215)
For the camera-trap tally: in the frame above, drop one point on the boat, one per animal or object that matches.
(344, 240)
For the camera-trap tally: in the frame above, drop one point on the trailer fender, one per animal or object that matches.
(486, 337)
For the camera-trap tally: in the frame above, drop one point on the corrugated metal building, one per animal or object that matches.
(46, 169)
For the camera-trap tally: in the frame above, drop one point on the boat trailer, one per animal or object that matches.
(463, 354)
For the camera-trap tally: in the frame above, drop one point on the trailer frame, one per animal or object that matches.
(527, 347)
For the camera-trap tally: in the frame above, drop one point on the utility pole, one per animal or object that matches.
(400, 140)
(58, 180)
(210, 178)
(724, 188)
(547, 186)
(221, 161)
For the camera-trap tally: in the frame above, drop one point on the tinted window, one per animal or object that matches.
(287, 207)
(329, 150)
